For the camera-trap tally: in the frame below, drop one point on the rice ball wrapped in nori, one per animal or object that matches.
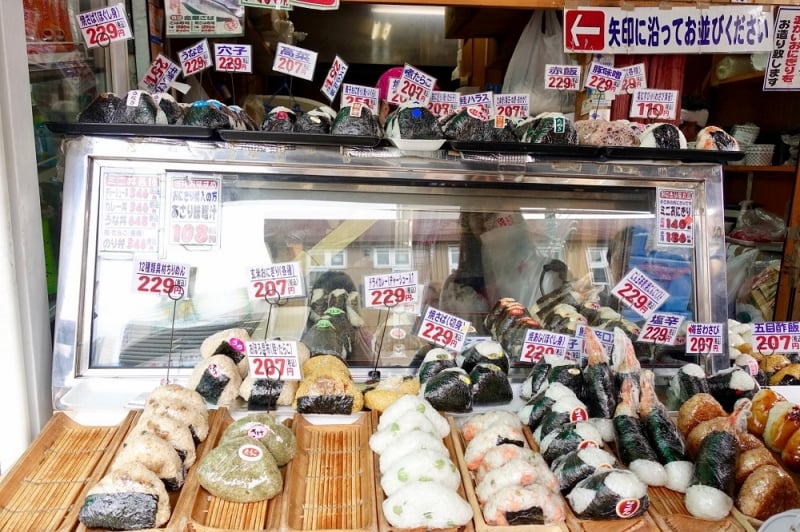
(664, 136)
(279, 120)
(127, 498)
(240, 472)
(449, 390)
(276, 437)
(317, 121)
(413, 121)
(101, 110)
(324, 393)
(356, 120)
(173, 431)
(435, 360)
(217, 379)
(524, 505)
(156, 454)
(208, 113)
(730, 385)
(267, 394)
(537, 406)
(243, 120)
(324, 339)
(490, 385)
(466, 127)
(426, 505)
(138, 108)
(609, 494)
(567, 409)
(550, 128)
(486, 351)
(715, 138)
(172, 109)
(231, 343)
(569, 437)
(576, 465)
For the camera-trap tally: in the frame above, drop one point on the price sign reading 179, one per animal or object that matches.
(776, 337)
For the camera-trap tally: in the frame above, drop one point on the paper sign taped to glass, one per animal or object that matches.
(204, 18)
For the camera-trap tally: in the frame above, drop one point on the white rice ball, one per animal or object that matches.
(418, 404)
(679, 475)
(411, 421)
(705, 502)
(409, 443)
(426, 505)
(425, 465)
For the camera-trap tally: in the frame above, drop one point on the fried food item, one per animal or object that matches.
(698, 408)
(769, 490)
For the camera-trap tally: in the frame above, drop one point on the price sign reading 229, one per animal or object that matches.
(444, 330)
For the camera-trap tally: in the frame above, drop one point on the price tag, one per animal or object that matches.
(359, 94)
(284, 5)
(637, 291)
(273, 359)
(633, 78)
(539, 343)
(479, 105)
(415, 85)
(160, 76)
(443, 329)
(103, 26)
(661, 328)
(233, 57)
(393, 95)
(512, 105)
(603, 78)
(443, 103)
(196, 202)
(195, 58)
(295, 61)
(675, 209)
(654, 104)
(278, 281)
(704, 338)
(562, 77)
(334, 78)
(390, 290)
(163, 278)
(776, 337)
(575, 348)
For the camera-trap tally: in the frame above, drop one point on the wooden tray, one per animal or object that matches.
(330, 481)
(43, 490)
(384, 524)
(207, 513)
(670, 513)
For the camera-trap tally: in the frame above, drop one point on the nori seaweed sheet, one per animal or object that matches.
(278, 121)
(599, 390)
(172, 110)
(570, 469)
(210, 387)
(664, 437)
(172, 484)
(497, 310)
(207, 114)
(689, 385)
(514, 337)
(264, 394)
(448, 391)
(540, 405)
(472, 357)
(566, 439)
(508, 319)
(667, 137)
(119, 511)
(490, 385)
(365, 124)
(325, 404)
(604, 504)
(101, 110)
(432, 367)
(569, 375)
(537, 376)
(551, 130)
(143, 113)
(318, 123)
(323, 339)
(552, 420)
(527, 516)
(719, 388)
(224, 348)
(716, 462)
(416, 122)
(632, 443)
(341, 323)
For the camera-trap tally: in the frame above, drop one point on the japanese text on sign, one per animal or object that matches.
(201, 18)
(606, 338)
(273, 359)
(130, 212)
(512, 105)
(161, 74)
(562, 77)
(603, 78)
(640, 293)
(776, 337)
(633, 77)
(661, 328)
(716, 29)
(270, 4)
(704, 338)
(277, 281)
(675, 209)
(782, 69)
(391, 289)
(443, 329)
(233, 57)
(195, 58)
(295, 61)
(443, 103)
(654, 104)
(164, 278)
(415, 85)
(101, 27)
(334, 78)
(539, 343)
(479, 105)
(360, 94)
(194, 210)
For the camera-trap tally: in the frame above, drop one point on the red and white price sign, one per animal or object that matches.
(772, 337)
(415, 85)
(295, 61)
(661, 328)
(194, 213)
(443, 329)
(512, 105)
(603, 78)
(562, 77)
(704, 338)
(654, 104)
(163, 278)
(334, 78)
(606, 338)
(195, 58)
(276, 282)
(160, 75)
(443, 103)
(269, 4)
(479, 105)
(273, 359)
(360, 94)
(391, 289)
(675, 208)
(539, 343)
(637, 291)
(233, 57)
(633, 78)
(103, 26)
(393, 95)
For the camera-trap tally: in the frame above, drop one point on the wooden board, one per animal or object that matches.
(331, 485)
(43, 490)
(669, 511)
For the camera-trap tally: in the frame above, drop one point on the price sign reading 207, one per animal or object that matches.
(776, 337)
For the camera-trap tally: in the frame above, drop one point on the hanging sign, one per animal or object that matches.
(273, 359)
(562, 77)
(443, 103)
(160, 75)
(233, 57)
(203, 18)
(675, 209)
(633, 77)
(129, 216)
(654, 104)
(637, 291)
(360, 94)
(390, 290)
(194, 208)
(295, 61)
(277, 281)
(163, 278)
(677, 30)
(704, 338)
(443, 329)
(661, 328)
(103, 26)
(334, 78)
(195, 58)
(782, 72)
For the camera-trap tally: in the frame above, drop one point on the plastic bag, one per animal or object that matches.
(758, 225)
(541, 42)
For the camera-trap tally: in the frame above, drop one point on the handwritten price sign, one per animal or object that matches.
(562, 77)
(101, 27)
(661, 328)
(160, 75)
(195, 58)
(163, 278)
(295, 61)
(704, 338)
(416, 85)
(512, 105)
(443, 329)
(639, 292)
(360, 94)
(443, 103)
(633, 78)
(233, 57)
(278, 281)
(776, 337)
(274, 360)
(391, 289)
(537, 344)
(655, 104)
(334, 78)
(603, 78)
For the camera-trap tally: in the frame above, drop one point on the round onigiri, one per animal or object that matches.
(426, 505)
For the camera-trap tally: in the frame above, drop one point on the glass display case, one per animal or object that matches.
(472, 228)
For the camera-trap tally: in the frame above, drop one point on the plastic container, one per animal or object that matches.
(759, 154)
(782, 522)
